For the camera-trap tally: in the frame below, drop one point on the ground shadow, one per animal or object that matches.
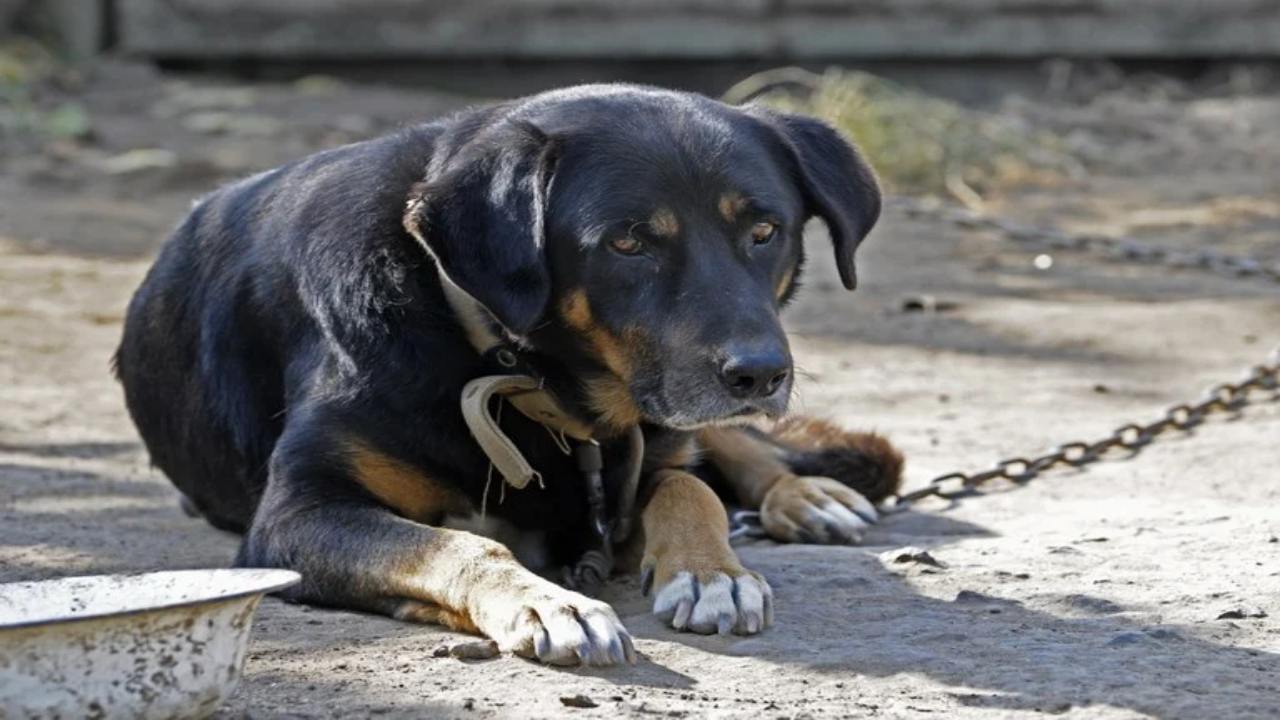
(1081, 650)
(842, 613)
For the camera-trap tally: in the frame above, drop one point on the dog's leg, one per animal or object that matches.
(812, 481)
(700, 584)
(353, 552)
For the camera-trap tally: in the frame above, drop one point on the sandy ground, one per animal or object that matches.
(1086, 594)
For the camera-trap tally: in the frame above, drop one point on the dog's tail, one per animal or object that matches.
(865, 461)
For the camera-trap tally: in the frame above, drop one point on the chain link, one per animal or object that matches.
(1116, 247)
(1220, 398)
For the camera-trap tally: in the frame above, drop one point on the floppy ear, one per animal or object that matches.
(838, 185)
(480, 211)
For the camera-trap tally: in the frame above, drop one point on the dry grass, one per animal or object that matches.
(918, 143)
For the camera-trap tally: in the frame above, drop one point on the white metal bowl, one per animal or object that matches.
(154, 645)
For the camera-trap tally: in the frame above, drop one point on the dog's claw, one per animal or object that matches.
(565, 628)
(628, 648)
(816, 510)
(719, 604)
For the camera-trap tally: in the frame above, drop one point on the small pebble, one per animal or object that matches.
(478, 650)
(578, 701)
(911, 554)
(926, 304)
(1241, 614)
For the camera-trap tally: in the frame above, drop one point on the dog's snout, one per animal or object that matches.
(755, 372)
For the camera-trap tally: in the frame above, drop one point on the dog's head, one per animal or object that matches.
(647, 239)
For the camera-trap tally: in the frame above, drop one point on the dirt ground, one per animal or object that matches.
(1092, 594)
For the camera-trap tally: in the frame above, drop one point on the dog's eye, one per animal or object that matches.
(762, 233)
(626, 244)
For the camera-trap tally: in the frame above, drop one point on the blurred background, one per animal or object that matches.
(962, 98)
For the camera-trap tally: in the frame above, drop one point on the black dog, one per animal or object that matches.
(295, 360)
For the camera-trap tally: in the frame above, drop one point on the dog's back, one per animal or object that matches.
(185, 372)
(196, 360)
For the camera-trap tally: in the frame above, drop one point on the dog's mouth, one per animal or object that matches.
(743, 416)
(693, 411)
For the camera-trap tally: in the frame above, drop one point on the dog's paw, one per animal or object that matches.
(731, 601)
(716, 604)
(816, 510)
(558, 627)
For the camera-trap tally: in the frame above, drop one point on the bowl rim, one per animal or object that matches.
(271, 580)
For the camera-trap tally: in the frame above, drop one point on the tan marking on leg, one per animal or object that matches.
(697, 582)
(686, 529)
(403, 488)
(819, 507)
(815, 510)
(750, 465)
(730, 204)
(431, 614)
(472, 583)
(808, 433)
(663, 223)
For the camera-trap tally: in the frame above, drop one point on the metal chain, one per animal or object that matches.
(1223, 397)
(1117, 247)
(1220, 398)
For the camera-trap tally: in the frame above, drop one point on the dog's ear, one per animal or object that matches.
(838, 185)
(480, 213)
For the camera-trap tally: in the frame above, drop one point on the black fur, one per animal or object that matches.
(292, 312)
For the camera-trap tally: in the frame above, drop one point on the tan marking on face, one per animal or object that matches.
(686, 530)
(731, 203)
(403, 488)
(611, 349)
(611, 400)
(785, 283)
(663, 223)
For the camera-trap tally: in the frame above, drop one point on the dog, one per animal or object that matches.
(295, 358)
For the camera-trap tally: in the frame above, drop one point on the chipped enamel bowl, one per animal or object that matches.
(155, 645)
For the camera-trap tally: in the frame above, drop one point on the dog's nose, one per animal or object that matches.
(755, 373)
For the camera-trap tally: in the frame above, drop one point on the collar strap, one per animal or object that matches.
(538, 404)
(503, 453)
(527, 395)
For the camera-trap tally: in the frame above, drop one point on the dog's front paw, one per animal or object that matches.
(816, 510)
(555, 626)
(723, 600)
